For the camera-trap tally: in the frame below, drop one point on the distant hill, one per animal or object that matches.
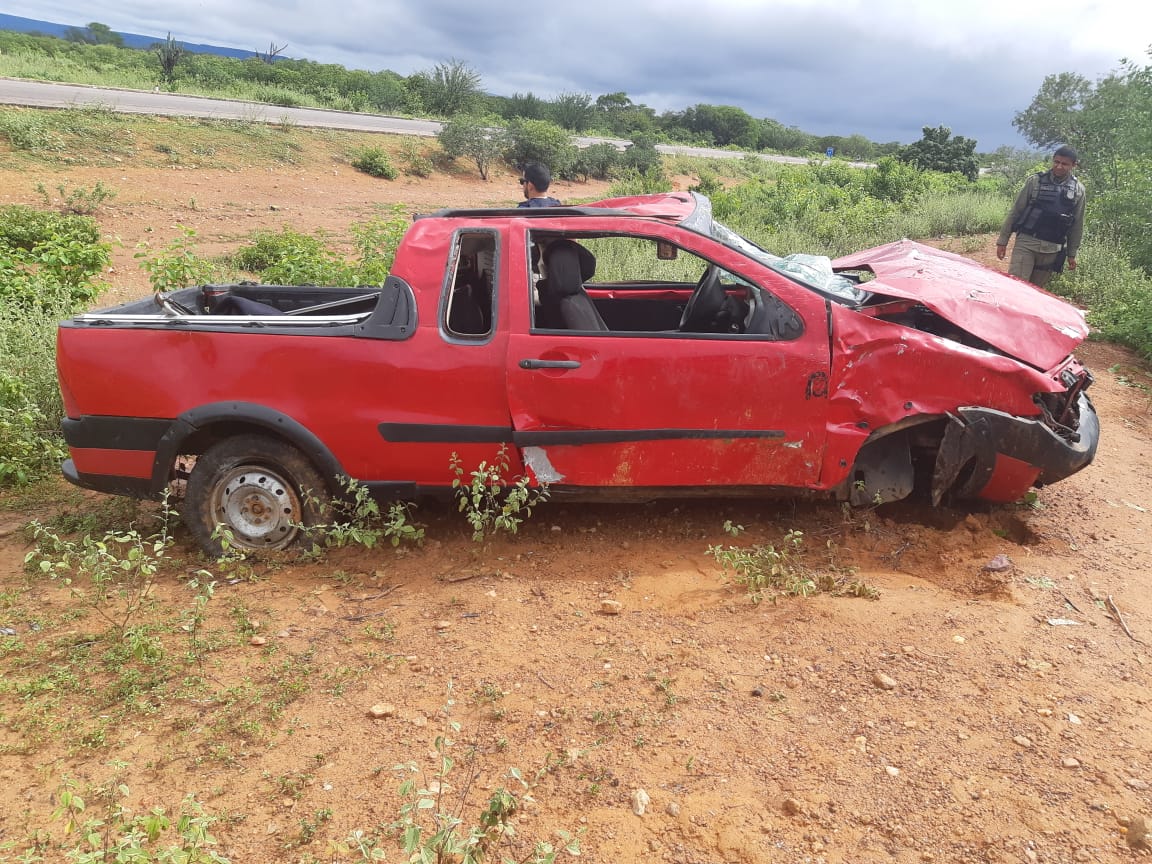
(131, 40)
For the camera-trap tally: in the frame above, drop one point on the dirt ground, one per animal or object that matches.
(959, 717)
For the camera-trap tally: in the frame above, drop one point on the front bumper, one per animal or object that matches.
(997, 456)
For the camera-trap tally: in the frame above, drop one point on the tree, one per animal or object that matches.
(939, 151)
(622, 117)
(95, 34)
(274, 51)
(597, 160)
(474, 138)
(544, 142)
(573, 111)
(527, 106)
(1055, 113)
(450, 88)
(168, 53)
(1107, 122)
(724, 124)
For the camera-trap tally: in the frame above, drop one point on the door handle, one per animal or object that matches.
(549, 364)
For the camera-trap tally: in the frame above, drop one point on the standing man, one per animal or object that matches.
(535, 180)
(1048, 218)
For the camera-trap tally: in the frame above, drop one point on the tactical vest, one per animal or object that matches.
(1052, 211)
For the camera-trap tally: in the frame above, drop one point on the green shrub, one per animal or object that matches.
(31, 446)
(24, 227)
(289, 257)
(543, 142)
(48, 260)
(597, 160)
(81, 200)
(375, 162)
(632, 182)
(376, 243)
(481, 140)
(29, 130)
(177, 265)
(1118, 212)
(281, 96)
(491, 500)
(1118, 295)
(642, 156)
(413, 160)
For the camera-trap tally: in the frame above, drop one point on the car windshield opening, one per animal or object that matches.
(815, 271)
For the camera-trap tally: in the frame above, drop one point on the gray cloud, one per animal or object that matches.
(881, 69)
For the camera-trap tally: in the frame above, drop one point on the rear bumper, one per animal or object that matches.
(113, 484)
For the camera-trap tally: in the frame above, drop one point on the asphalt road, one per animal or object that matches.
(45, 95)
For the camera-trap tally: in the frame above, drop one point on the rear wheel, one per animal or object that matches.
(262, 491)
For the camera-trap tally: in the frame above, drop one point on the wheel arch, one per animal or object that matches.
(890, 463)
(194, 431)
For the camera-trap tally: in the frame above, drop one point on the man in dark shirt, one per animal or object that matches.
(535, 180)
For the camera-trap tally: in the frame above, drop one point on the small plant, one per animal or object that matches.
(773, 571)
(732, 529)
(375, 162)
(357, 520)
(489, 500)
(664, 686)
(121, 565)
(177, 265)
(431, 827)
(116, 834)
(80, 201)
(767, 569)
(414, 162)
(1031, 500)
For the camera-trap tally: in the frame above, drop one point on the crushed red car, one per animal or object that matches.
(627, 348)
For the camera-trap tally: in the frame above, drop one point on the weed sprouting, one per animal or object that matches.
(490, 500)
(357, 520)
(772, 571)
(121, 565)
(113, 832)
(80, 200)
(431, 824)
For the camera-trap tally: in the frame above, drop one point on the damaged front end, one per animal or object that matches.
(996, 456)
(999, 350)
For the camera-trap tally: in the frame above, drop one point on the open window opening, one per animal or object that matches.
(468, 307)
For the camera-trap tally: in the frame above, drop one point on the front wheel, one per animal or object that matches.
(261, 491)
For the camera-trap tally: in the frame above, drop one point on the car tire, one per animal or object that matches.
(264, 492)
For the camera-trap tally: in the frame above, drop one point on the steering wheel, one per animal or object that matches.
(705, 302)
(170, 306)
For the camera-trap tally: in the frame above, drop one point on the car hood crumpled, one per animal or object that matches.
(1020, 319)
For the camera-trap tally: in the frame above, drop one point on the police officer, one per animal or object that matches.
(1048, 220)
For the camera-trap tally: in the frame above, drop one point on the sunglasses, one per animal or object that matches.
(523, 180)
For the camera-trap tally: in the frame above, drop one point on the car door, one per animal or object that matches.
(670, 409)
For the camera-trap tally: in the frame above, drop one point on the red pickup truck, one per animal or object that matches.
(632, 347)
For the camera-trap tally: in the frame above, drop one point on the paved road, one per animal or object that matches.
(44, 95)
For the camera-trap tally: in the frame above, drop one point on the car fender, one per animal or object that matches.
(198, 428)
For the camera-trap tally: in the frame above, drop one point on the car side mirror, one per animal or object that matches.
(666, 251)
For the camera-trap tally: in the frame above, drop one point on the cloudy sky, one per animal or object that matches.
(880, 68)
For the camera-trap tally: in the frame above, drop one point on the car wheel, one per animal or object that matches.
(263, 492)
